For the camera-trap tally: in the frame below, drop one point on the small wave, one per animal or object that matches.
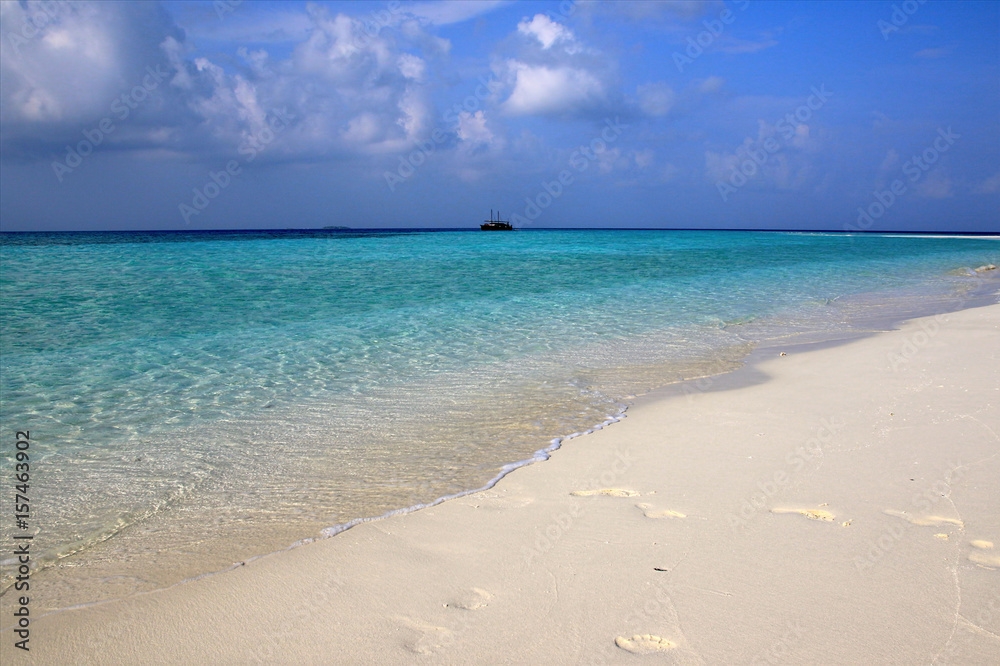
(539, 456)
(51, 556)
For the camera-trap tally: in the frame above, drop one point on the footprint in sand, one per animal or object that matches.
(981, 558)
(609, 492)
(650, 512)
(501, 501)
(924, 521)
(474, 599)
(644, 644)
(811, 514)
(430, 639)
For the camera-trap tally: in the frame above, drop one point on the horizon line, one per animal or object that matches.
(437, 229)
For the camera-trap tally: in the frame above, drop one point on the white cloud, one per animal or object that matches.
(73, 67)
(548, 32)
(472, 129)
(230, 108)
(175, 52)
(447, 12)
(348, 90)
(414, 118)
(362, 129)
(412, 67)
(554, 73)
(542, 90)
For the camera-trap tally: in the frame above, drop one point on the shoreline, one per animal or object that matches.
(289, 564)
(744, 375)
(183, 519)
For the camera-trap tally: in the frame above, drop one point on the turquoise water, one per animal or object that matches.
(199, 398)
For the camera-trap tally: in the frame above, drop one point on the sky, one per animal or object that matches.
(853, 116)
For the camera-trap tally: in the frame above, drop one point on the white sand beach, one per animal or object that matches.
(837, 505)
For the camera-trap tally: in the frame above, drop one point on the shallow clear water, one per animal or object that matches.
(195, 399)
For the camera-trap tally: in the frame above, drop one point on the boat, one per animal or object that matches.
(495, 225)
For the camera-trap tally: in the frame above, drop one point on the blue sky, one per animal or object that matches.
(743, 114)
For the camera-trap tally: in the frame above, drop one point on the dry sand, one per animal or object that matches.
(843, 509)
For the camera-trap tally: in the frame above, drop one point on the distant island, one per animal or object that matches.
(336, 227)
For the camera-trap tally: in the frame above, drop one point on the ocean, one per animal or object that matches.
(197, 399)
